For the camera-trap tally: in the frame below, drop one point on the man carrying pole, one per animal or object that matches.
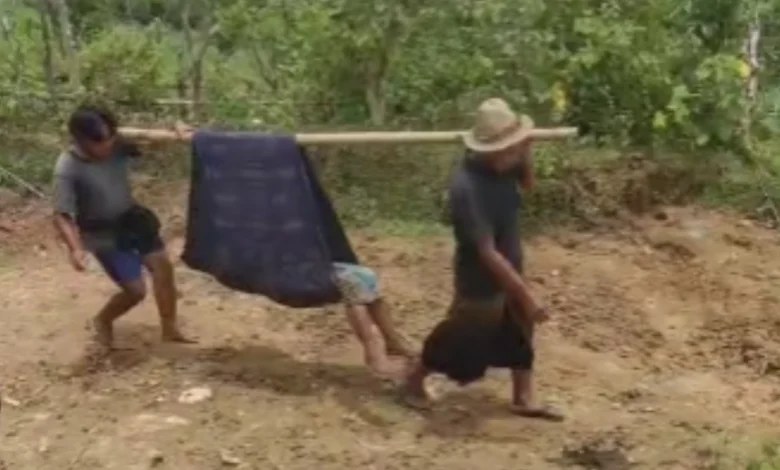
(493, 312)
(94, 211)
(492, 316)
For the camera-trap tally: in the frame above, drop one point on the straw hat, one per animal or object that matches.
(497, 127)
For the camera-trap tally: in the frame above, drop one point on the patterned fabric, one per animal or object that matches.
(358, 284)
(259, 221)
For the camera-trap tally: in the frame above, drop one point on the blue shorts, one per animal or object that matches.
(358, 284)
(135, 235)
(124, 266)
(121, 266)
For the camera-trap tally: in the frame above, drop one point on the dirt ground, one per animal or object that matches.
(664, 351)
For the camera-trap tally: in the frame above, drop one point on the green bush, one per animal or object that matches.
(666, 76)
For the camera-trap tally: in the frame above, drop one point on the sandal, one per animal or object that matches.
(414, 400)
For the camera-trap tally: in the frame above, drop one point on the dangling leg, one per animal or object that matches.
(374, 352)
(396, 343)
(358, 286)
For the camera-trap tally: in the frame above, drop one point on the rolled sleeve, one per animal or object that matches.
(467, 214)
(64, 195)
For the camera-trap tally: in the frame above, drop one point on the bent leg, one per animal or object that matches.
(396, 343)
(124, 268)
(161, 269)
(373, 347)
(360, 289)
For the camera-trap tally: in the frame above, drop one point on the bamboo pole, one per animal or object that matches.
(405, 137)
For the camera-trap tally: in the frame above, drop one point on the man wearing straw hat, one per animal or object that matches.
(491, 320)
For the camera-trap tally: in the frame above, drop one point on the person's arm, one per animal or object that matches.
(526, 168)
(183, 131)
(127, 148)
(64, 218)
(470, 217)
(68, 232)
(511, 281)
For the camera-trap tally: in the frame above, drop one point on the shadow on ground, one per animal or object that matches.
(261, 366)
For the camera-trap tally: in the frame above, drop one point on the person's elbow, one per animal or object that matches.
(488, 253)
(61, 220)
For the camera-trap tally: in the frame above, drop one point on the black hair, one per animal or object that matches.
(90, 123)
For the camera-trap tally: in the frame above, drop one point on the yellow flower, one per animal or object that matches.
(558, 97)
(743, 69)
(659, 121)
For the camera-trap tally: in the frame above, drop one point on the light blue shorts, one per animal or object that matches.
(358, 284)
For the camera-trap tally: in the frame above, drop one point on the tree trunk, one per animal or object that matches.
(181, 91)
(376, 100)
(48, 56)
(751, 56)
(197, 91)
(60, 16)
(191, 65)
(7, 25)
(264, 66)
(380, 66)
(56, 30)
(185, 60)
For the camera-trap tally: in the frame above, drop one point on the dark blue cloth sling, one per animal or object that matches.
(260, 222)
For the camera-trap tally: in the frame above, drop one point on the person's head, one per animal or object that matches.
(499, 136)
(93, 130)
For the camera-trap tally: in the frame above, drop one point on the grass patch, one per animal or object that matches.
(403, 228)
(768, 460)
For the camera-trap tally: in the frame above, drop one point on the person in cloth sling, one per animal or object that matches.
(95, 212)
(491, 320)
(366, 310)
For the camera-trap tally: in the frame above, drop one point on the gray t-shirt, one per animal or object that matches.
(483, 203)
(93, 191)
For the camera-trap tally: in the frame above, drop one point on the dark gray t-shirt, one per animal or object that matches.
(93, 191)
(483, 203)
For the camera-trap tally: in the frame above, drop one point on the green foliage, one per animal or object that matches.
(664, 72)
(667, 75)
(770, 459)
(127, 63)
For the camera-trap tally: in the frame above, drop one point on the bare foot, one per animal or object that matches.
(378, 362)
(173, 335)
(382, 370)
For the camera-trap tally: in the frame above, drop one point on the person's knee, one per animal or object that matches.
(134, 291)
(159, 266)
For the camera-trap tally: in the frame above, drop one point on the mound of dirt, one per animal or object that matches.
(664, 328)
